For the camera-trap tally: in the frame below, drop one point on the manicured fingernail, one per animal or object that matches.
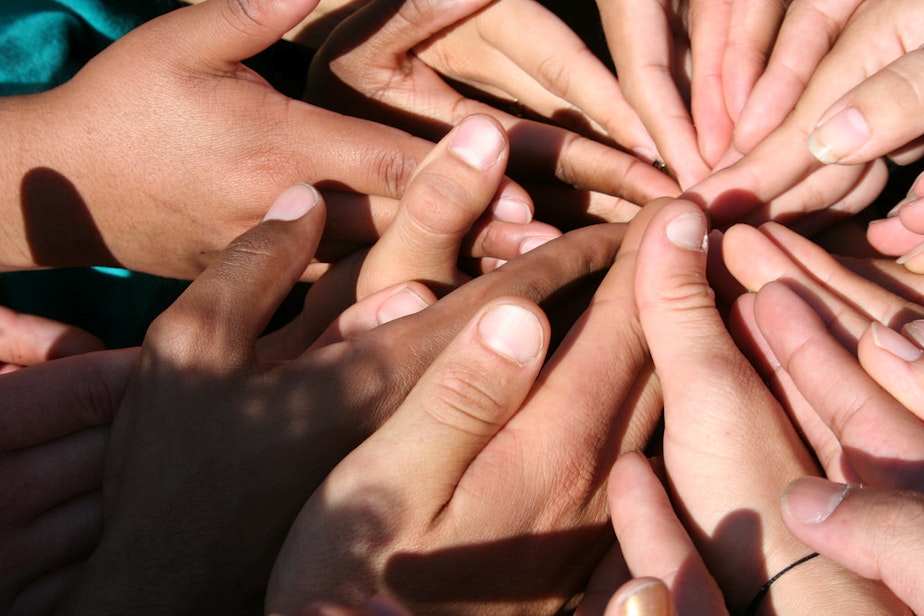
(293, 203)
(911, 255)
(478, 142)
(892, 342)
(512, 331)
(652, 599)
(403, 303)
(509, 209)
(532, 243)
(840, 136)
(811, 500)
(688, 231)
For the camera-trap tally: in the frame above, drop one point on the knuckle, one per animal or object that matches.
(463, 402)
(394, 169)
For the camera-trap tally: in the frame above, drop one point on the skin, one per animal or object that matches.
(208, 126)
(26, 340)
(853, 382)
(233, 409)
(495, 501)
(368, 67)
(54, 419)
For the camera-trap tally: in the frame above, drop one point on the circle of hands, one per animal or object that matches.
(454, 422)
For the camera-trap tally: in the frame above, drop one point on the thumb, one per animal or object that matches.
(875, 533)
(234, 30)
(864, 124)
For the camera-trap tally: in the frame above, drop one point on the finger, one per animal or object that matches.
(461, 402)
(57, 538)
(892, 360)
(46, 402)
(450, 191)
(27, 339)
(710, 33)
(863, 124)
(890, 237)
(492, 239)
(654, 542)
(228, 31)
(561, 66)
(822, 441)
(642, 596)
(37, 479)
(879, 436)
(876, 533)
(43, 596)
(846, 302)
(752, 30)
(639, 37)
(808, 32)
(219, 317)
(690, 348)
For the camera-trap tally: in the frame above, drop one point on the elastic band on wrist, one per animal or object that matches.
(754, 605)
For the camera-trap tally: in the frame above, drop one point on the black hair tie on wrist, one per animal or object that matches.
(754, 605)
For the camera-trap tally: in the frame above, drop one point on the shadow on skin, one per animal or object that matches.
(59, 227)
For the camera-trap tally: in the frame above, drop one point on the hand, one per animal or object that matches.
(210, 429)
(760, 99)
(27, 339)
(479, 471)
(862, 413)
(653, 43)
(369, 67)
(546, 71)
(737, 529)
(822, 383)
(54, 418)
(166, 134)
(894, 30)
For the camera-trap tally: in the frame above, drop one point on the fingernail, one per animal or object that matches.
(512, 331)
(838, 137)
(478, 142)
(911, 255)
(811, 500)
(403, 303)
(320, 608)
(532, 243)
(688, 231)
(646, 155)
(915, 331)
(652, 599)
(892, 342)
(293, 203)
(509, 209)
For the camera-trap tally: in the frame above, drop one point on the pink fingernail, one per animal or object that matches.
(512, 331)
(509, 209)
(812, 500)
(401, 304)
(688, 231)
(293, 203)
(838, 137)
(478, 142)
(894, 343)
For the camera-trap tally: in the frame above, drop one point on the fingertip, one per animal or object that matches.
(404, 301)
(644, 596)
(479, 141)
(812, 500)
(293, 203)
(514, 331)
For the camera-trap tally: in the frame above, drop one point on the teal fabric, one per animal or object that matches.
(42, 44)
